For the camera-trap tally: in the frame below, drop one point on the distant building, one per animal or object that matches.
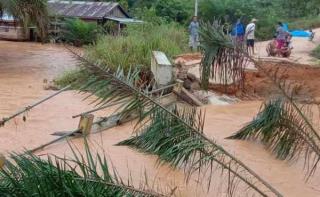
(88, 11)
(98, 12)
(10, 29)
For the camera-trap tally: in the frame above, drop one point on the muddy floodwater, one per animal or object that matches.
(25, 66)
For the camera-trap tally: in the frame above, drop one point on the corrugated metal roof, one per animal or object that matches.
(82, 9)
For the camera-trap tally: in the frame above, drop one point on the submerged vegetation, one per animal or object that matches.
(287, 131)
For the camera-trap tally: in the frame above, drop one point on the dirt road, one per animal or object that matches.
(23, 66)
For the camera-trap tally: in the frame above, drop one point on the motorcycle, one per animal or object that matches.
(284, 51)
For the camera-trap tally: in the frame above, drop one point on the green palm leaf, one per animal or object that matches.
(283, 125)
(222, 60)
(85, 175)
(280, 127)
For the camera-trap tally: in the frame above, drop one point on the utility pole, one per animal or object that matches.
(196, 8)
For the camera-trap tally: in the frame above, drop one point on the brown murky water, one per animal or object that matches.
(24, 66)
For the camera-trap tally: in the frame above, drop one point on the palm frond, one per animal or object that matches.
(222, 60)
(186, 146)
(280, 127)
(86, 175)
(285, 126)
(179, 126)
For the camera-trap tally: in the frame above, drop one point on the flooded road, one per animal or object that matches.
(24, 66)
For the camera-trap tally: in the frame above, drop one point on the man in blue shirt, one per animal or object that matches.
(194, 34)
(238, 32)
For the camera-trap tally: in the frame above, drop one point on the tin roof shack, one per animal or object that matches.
(87, 11)
(11, 30)
(98, 12)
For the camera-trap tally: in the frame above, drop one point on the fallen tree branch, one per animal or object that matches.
(4, 120)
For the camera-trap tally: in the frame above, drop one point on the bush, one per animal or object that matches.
(71, 76)
(305, 23)
(78, 32)
(316, 52)
(136, 46)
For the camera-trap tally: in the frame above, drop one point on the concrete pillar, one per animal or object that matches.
(162, 69)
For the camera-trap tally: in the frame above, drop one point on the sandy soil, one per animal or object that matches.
(23, 66)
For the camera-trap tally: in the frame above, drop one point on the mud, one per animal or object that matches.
(24, 66)
(257, 85)
(304, 77)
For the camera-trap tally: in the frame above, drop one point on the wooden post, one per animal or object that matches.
(179, 86)
(85, 123)
(2, 161)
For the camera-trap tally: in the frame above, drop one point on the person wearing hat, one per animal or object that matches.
(250, 37)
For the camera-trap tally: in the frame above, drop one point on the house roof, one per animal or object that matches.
(83, 9)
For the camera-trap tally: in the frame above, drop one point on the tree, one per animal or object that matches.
(172, 10)
(28, 12)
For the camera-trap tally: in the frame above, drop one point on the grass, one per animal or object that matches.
(71, 76)
(133, 48)
(136, 45)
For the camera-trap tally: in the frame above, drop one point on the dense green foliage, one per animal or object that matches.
(135, 47)
(78, 32)
(297, 13)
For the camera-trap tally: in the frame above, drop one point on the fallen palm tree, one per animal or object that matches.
(182, 130)
(286, 131)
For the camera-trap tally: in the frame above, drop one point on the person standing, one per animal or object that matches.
(194, 34)
(250, 36)
(281, 36)
(238, 32)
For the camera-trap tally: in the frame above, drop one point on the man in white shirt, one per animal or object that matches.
(250, 30)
